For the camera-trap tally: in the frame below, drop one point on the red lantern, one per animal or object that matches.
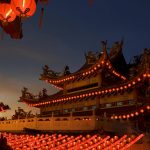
(6, 13)
(23, 8)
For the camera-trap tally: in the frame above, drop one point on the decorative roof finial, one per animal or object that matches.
(104, 49)
(91, 57)
(104, 44)
(66, 70)
(145, 60)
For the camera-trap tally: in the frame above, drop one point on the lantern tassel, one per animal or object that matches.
(2, 35)
(44, 1)
(90, 2)
(41, 18)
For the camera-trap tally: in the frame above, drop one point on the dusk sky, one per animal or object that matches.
(70, 28)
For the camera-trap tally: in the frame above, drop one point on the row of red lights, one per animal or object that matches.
(83, 142)
(100, 92)
(133, 114)
(70, 142)
(132, 142)
(89, 71)
(60, 88)
(98, 143)
(67, 143)
(116, 143)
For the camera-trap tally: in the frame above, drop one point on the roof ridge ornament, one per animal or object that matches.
(91, 57)
(145, 60)
(49, 72)
(104, 50)
(116, 49)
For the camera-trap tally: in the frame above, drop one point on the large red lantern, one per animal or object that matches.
(6, 13)
(23, 8)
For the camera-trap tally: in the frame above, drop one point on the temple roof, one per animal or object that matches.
(114, 62)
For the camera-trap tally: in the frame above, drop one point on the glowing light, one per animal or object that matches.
(136, 113)
(142, 110)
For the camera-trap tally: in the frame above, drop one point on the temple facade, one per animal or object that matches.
(106, 93)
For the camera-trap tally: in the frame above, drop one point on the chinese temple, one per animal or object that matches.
(105, 94)
(105, 90)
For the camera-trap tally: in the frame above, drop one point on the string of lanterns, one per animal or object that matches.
(132, 142)
(93, 69)
(71, 142)
(131, 115)
(111, 90)
(21, 8)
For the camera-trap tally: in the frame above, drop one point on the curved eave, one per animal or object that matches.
(95, 92)
(83, 73)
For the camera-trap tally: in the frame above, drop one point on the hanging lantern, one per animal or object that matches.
(23, 8)
(6, 13)
(90, 2)
(41, 18)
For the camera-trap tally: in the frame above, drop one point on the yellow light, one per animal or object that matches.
(133, 82)
(116, 117)
(148, 107)
(23, 3)
(139, 79)
(8, 13)
(129, 85)
(124, 116)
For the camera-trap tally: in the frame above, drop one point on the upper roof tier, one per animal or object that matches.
(114, 62)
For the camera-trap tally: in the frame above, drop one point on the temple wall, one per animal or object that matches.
(119, 97)
(51, 123)
(17, 124)
(83, 82)
(88, 123)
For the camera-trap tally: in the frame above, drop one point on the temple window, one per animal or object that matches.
(93, 85)
(66, 111)
(85, 108)
(73, 109)
(131, 102)
(119, 103)
(65, 119)
(108, 105)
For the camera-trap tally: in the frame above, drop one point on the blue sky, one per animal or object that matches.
(70, 28)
